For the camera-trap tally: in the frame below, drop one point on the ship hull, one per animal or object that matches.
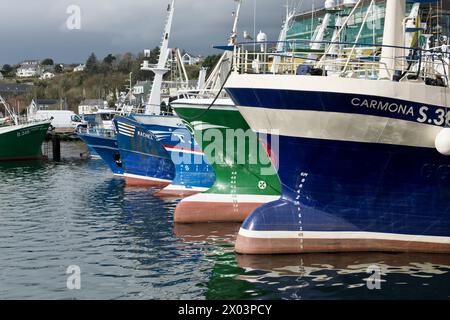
(240, 186)
(193, 174)
(23, 142)
(356, 175)
(106, 147)
(146, 163)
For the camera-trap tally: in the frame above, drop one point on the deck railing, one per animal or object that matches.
(343, 59)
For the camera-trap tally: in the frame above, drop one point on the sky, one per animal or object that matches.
(31, 29)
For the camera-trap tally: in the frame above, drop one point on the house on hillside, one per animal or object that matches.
(190, 60)
(79, 68)
(141, 90)
(47, 76)
(91, 106)
(29, 69)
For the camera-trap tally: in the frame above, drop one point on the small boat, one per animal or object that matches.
(20, 139)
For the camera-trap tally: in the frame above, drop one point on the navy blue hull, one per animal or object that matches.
(189, 171)
(354, 189)
(107, 148)
(142, 155)
(192, 171)
(349, 186)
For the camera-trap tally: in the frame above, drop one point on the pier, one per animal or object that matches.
(51, 148)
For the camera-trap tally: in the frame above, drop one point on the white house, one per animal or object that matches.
(190, 60)
(47, 76)
(79, 68)
(1, 76)
(91, 106)
(28, 69)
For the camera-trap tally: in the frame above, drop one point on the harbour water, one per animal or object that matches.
(74, 213)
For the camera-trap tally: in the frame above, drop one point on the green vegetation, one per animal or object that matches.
(7, 70)
(47, 62)
(101, 79)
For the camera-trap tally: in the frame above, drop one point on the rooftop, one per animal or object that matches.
(16, 88)
(46, 101)
(92, 102)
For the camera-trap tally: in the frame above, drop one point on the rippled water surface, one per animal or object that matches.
(54, 215)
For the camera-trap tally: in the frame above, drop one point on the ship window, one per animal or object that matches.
(76, 118)
(107, 117)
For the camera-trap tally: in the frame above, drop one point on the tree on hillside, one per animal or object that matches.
(92, 64)
(7, 69)
(211, 61)
(59, 68)
(154, 56)
(109, 59)
(107, 65)
(140, 75)
(126, 63)
(47, 62)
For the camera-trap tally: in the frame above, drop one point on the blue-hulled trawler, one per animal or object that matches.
(101, 138)
(149, 141)
(363, 137)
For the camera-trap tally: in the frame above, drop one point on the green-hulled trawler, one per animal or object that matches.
(20, 140)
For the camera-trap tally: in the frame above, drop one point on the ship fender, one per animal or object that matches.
(442, 142)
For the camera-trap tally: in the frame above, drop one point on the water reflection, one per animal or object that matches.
(74, 212)
(345, 276)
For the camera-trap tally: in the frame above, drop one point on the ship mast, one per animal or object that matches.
(160, 69)
(393, 37)
(9, 111)
(282, 39)
(223, 66)
(233, 37)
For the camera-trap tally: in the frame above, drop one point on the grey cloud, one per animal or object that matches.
(36, 29)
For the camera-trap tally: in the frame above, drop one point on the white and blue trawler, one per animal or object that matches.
(364, 144)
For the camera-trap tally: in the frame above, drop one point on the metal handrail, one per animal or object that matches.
(345, 63)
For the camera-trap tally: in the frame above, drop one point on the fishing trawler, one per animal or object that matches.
(182, 167)
(20, 139)
(188, 172)
(239, 187)
(364, 143)
(104, 143)
(145, 161)
(101, 138)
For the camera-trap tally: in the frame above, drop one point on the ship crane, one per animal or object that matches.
(223, 67)
(154, 104)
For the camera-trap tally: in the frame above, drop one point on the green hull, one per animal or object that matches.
(233, 176)
(22, 142)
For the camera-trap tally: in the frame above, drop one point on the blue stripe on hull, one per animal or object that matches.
(141, 153)
(339, 102)
(351, 186)
(106, 148)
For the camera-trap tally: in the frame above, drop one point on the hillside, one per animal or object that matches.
(101, 79)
